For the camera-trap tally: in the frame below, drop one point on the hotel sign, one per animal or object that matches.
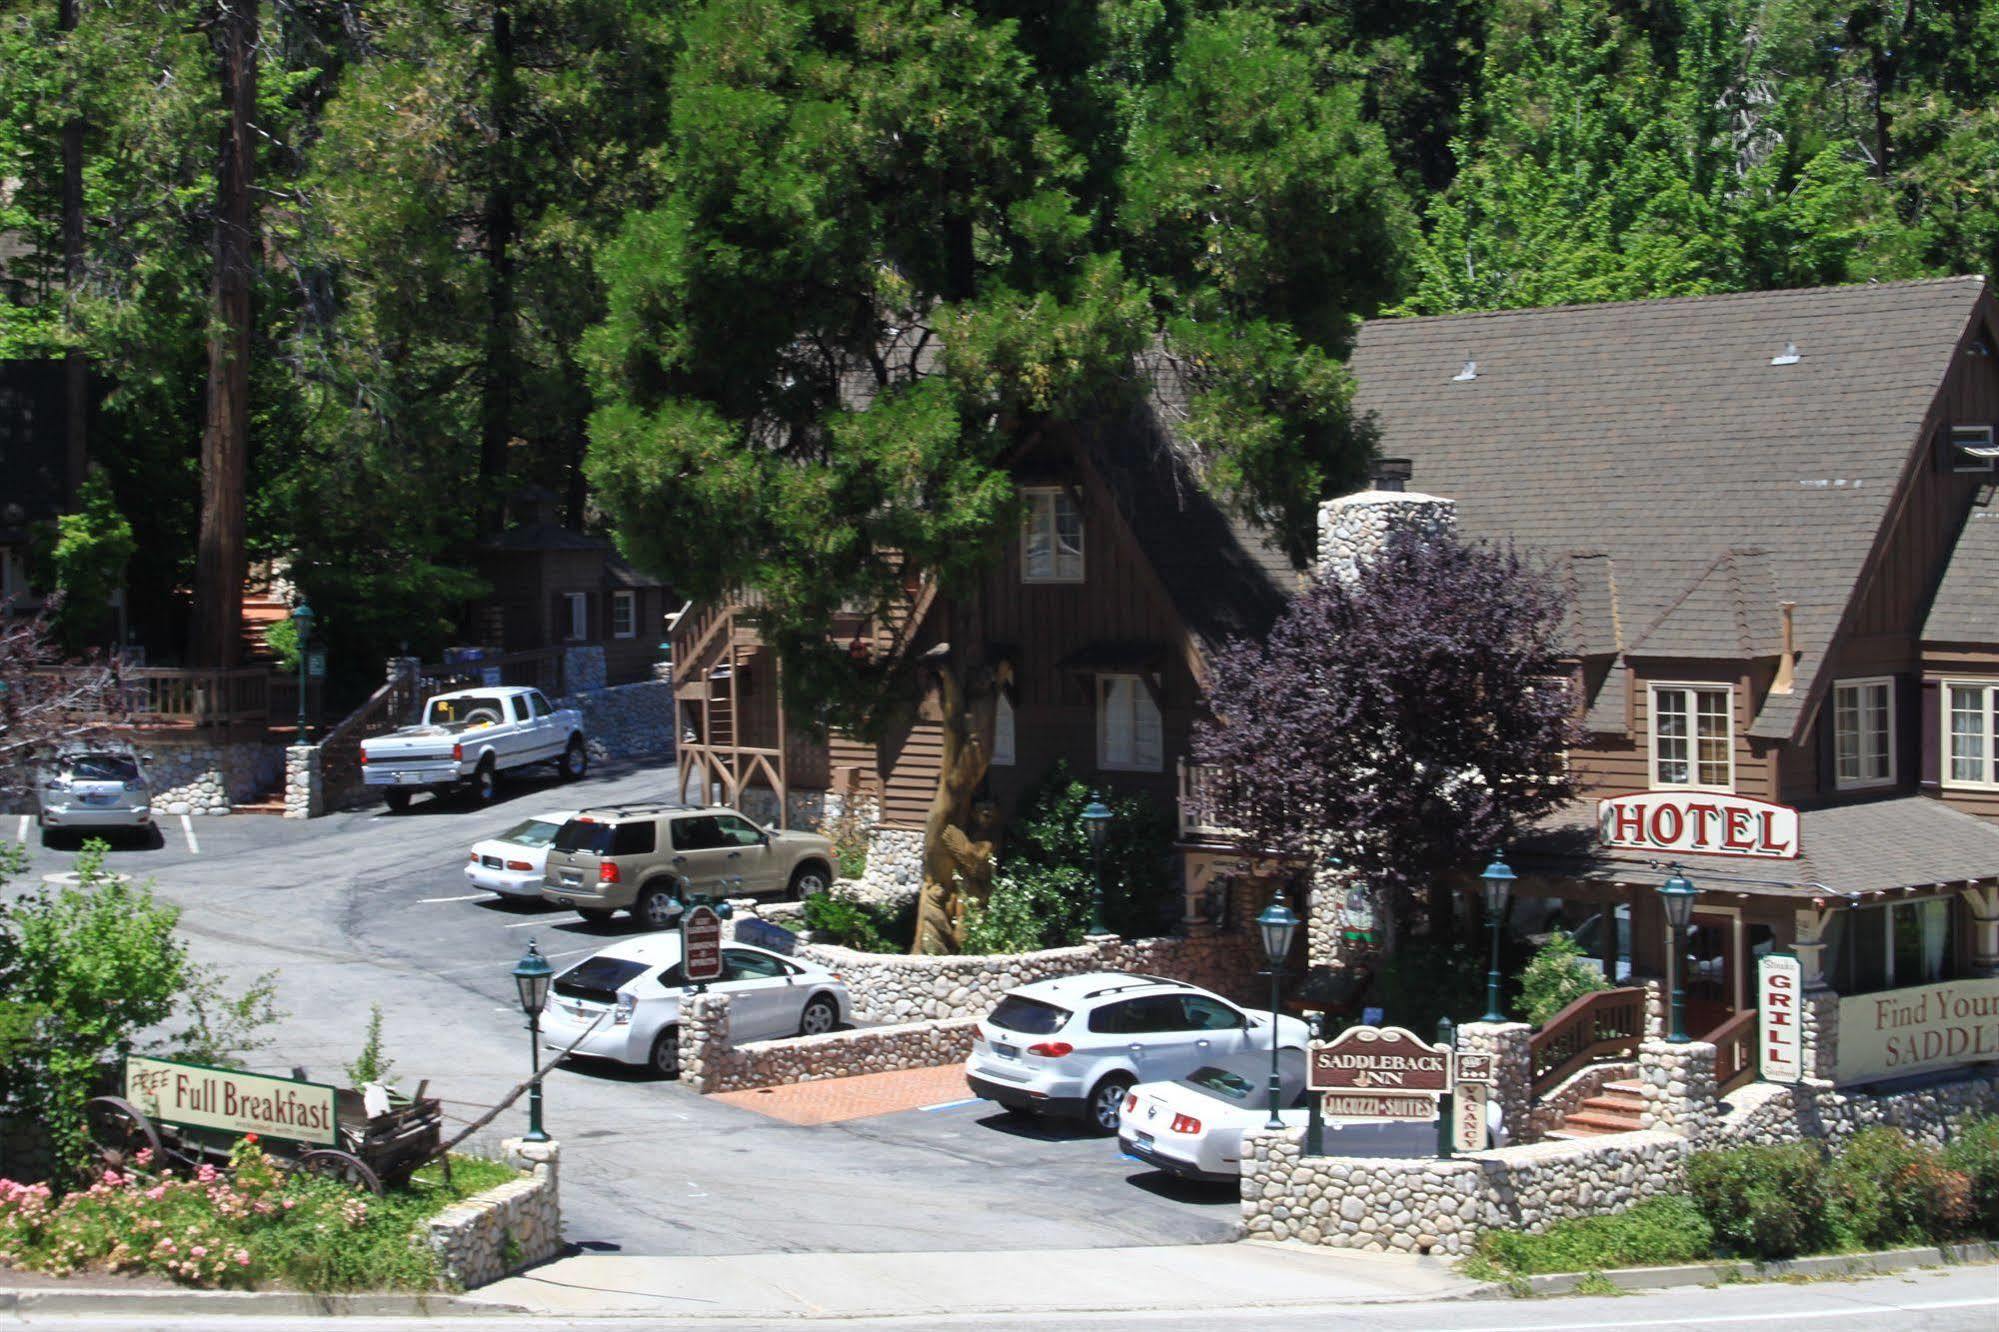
(1705, 823)
(197, 1096)
(1780, 1038)
(1379, 1059)
(1897, 1033)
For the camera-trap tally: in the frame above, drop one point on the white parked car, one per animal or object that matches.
(637, 985)
(1193, 1127)
(472, 736)
(1076, 1045)
(92, 791)
(512, 863)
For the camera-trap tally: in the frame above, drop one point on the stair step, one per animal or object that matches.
(1603, 1123)
(1626, 1087)
(1615, 1105)
(258, 807)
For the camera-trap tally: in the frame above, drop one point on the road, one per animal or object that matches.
(367, 907)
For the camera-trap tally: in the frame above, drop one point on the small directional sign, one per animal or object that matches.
(700, 944)
(1474, 1067)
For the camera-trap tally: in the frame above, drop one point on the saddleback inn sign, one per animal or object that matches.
(1708, 823)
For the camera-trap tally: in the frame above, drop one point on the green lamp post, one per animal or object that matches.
(531, 979)
(1498, 878)
(1097, 827)
(1278, 926)
(1677, 894)
(302, 618)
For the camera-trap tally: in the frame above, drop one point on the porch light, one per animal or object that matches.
(1278, 926)
(1498, 878)
(1097, 828)
(1677, 896)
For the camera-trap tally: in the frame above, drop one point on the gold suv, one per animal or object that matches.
(648, 859)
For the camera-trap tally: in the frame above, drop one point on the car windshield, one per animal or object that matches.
(101, 768)
(1222, 1083)
(584, 835)
(1029, 1017)
(598, 977)
(534, 833)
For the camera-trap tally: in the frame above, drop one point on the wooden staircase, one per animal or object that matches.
(1616, 1109)
(260, 612)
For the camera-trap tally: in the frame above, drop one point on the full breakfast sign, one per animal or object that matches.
(1708, 823)
(197, 1096)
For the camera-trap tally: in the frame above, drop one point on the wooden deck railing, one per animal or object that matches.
(1599, 1028)
(1734, 1044)
(157, 696)
(1200, 814)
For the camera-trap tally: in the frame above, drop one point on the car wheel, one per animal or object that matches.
(486, 783)
(595, 915)
(575, 760)
(657, 908)
(821, 1015)
(397, 801)
(665, 1058)
(1101, 1110)
(807, 880)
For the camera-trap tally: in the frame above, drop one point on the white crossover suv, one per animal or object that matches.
(1076, 1045)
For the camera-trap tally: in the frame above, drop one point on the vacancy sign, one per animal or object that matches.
(1707, 823)
(1780, 1037)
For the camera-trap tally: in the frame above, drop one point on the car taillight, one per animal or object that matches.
(1051, 1049)
(622, 1016)
(364, 758)
(472, 856)
(519, 865)
(1186, 1124)
(607, 872)
(1130, 1102)
(458, 753)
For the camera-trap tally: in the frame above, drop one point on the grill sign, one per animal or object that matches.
(1702, 822)
(196, 1096)
(1380, 1059)
(1780, 1042)
(1368, 1105)
(700, 945)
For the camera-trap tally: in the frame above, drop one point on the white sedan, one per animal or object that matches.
(1194, 1127)
(512, 863)
(631, 991)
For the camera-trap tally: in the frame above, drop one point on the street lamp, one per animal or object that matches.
(531, 976)
(1277, 926)
(1498, 878)
(1097, 827)
(1678, 893)
(302, 625)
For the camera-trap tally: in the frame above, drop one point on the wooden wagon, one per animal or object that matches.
(371, 1151)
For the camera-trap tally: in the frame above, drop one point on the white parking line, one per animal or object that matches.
(21, 834)
(531, 924)
(467, 897)
(946, 1105)
(187, 826)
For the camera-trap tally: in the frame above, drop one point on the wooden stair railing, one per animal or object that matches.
(1734, 1044)
(1604, 1027)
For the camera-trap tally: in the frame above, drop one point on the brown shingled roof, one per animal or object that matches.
(1966, 608)
(1659, 434)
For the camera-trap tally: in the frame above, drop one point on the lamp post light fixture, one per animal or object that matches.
(1677, 894)
(1278, 926)
(531, 978)
(1498, 878)
(1097, 827)
(302, 618)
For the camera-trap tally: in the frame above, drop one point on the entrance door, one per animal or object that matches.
(1709, 971)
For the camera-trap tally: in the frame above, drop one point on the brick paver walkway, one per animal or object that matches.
(834, 1099)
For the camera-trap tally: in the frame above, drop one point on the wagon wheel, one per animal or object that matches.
(117, 1131)
(346, 1168)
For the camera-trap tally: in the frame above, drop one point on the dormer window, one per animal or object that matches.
(1972, 449)
(1051, 537)
(1693, 737)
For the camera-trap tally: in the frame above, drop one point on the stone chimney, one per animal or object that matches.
(1353, 528)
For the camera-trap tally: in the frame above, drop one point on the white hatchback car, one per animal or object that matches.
(512, 863)
(1076, 1045)
(636, 985)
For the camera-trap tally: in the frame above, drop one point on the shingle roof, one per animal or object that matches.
(1966, 608)
(1880, 846)
(1659, 435)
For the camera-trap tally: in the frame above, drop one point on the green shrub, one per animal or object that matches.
(1557, 977)
(1975, 1153)
(1891, 1191)
(84, 553)
(1763, 1202)
(857, 925)
(281, 637)
(1427, 978)
(1655, 1232)
(371, 1065)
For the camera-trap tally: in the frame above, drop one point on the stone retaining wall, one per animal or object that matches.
(625, 721)
(1439, 1206)
(1765, 1112)
(710, 1062)
(207, 777)
(497, 1233)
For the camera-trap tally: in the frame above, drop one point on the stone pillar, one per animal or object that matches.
(1657, 1000)
(304, 796)
(1340, 903)
(1509, 1043)
(537, 1157)
(1353, 528)
(1678, 1082)
(704, 1042)
(1818, 1018)
(1982, 903)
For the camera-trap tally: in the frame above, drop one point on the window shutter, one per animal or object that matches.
(1929, 771)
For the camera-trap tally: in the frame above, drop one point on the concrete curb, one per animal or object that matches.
(1720, 1273)
(237, 1303)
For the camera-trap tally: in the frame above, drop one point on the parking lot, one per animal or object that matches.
(366, 907)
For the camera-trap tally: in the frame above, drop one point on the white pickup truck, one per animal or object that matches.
(473, 735)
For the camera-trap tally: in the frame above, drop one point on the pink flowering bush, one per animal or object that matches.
(251, 1224)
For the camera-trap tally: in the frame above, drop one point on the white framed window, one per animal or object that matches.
(576, 616)
(1970, 725)
(1003, 732)
(1693, 736)
(1128, 735)
(1863, 733)
(624, 614)
(1051, 537)
(1972, 449)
